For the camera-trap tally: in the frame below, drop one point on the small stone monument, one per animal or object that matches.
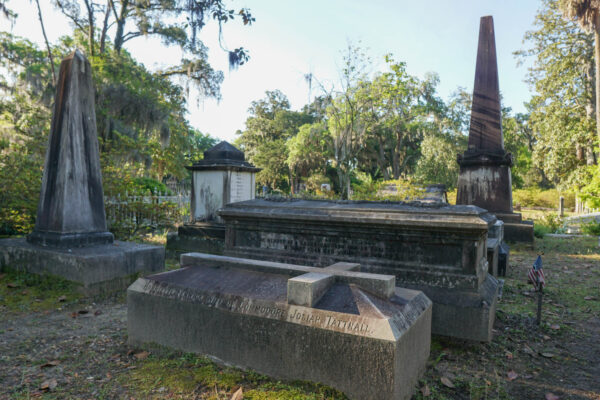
(222, 177)
(70, 238)
(484, 178)
(354, 331)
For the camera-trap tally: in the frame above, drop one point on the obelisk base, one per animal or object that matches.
(485, 181)
(97, 269)
(70, 240)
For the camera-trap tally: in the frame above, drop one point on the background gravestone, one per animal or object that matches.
(223, 176)
(484, 178)
(70, 238)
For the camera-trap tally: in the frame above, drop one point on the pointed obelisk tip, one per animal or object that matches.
(485, 133)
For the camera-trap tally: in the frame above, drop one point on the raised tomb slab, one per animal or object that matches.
(435, 248)
(354, 331)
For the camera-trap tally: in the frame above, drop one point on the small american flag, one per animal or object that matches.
(536, 274)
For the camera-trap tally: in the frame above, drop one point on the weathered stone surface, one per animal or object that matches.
(429, 247)
(71, 207)
(493, 248)
(198, 237)
(100, 268)
(484, 179)
(235, 310)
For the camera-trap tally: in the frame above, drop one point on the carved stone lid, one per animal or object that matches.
(223, 156)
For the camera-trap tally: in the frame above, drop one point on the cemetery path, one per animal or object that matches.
(76, 353)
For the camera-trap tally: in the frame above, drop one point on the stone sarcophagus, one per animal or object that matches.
(354, 331)
(436, 248)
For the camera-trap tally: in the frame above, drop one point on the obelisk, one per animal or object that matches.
(484, 178)
(71, 208)
(70, 238)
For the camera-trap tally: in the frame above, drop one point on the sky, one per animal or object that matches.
(292, 38)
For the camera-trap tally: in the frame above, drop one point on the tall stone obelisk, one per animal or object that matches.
(484, 178)
(70, 238)
(71, 208)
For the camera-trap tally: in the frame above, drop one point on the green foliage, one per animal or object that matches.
(536, 197)
(392, 190)
(562, 110)
(549, 223)
(590, 193)
(152, 186)
(270, 125)
(591, 228)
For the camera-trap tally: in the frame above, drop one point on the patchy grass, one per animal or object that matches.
(22, 292)
(189, 376)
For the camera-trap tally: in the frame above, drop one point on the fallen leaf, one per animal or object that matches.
(11, 285)
(130, 352)
(546, 337)
(52, 363)
(48, 385)
(108, 375)
(512, 375)
(528, 350)
(555, 327)
(551, 396)
(62, 298)
(425, 391)
(73, 315)
(488, 383)
(238, 395)
(447, 382)
(142, 355)
(509, 355)
(547, 355)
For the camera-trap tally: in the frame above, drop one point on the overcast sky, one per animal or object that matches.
(291, 38)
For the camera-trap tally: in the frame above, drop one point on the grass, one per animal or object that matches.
(21, 292)
(188, 376)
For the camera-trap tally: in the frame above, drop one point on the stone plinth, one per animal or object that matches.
(484, 179)
(354, 331)
(222, 177)
(97, 269)
(433, 247)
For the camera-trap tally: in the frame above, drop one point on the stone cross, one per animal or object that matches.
(71, 208)
(306, 285)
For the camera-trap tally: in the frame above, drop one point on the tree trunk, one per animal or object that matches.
(104, 27)
(37, 2)
(597, 65)
(90, 9)
(119, 35)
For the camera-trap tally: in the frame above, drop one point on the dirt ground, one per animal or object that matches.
(56, 347)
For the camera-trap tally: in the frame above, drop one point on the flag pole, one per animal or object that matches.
(539, 305)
